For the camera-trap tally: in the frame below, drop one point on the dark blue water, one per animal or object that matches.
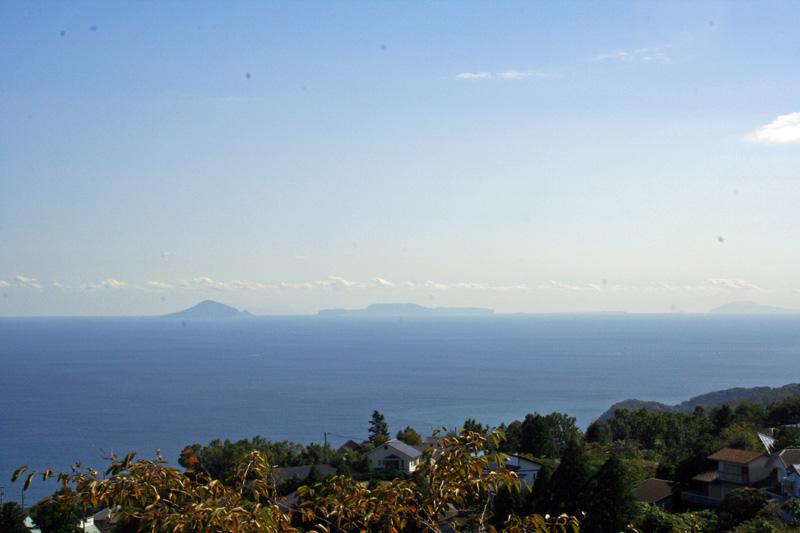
(77, 389)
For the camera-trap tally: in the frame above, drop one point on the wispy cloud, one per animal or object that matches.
(158, 285)
(733, 284)
(105, 284)
(636, 55)
(338, 283)
(25, 281)
(784, 129)
(501, 75)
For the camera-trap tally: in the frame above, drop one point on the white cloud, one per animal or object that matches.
(784, 129)
(4, 284)
(521, 74)
(501, 75)
(105, 284)
(380, 282)
(157, 285)
(562, 285)
(334, 281)
(469, 76)
(25, 281)
(732, 284)
(636, 55)
(56, 285)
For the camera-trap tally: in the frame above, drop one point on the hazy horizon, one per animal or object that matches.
(289, 157)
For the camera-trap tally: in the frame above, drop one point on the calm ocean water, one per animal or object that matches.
(78, 388)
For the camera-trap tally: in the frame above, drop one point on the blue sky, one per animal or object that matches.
(286, 157)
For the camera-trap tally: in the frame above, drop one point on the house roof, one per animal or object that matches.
(768, 442)
(794, 469)
(707, 477)
(654, 490)
(285, 473)
(350, 445)
(789, 456)
(399, 447)
(518, 461)
(731, 455)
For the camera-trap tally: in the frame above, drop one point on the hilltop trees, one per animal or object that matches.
(547, 436)
(378, 429)
(410, 436)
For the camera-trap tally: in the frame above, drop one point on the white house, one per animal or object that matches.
(782, 461)
(395, 454)
(526, 470)
(790, 484)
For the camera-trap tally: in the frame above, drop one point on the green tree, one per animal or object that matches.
(410, 436)
(513, 441)
(721, 417)
(219, 458)
(537, 436)
(566, 489)
(470, 424)
(787, 437)
(12, 519)
(784, 412)
(651, 519)
(378, 429)
(599, 432)
(610, 505)
(54, 515)
(741, 505)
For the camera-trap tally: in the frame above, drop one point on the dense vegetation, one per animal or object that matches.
(586, 480)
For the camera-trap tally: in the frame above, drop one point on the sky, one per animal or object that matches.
(285, 157)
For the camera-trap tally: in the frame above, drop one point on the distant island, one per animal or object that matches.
(407, 310)
(749, 308)
(729, 397)
(209, 310)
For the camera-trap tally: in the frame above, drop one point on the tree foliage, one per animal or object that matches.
(12, 519)
(610, 506)
(461, 473)
(410, 436)
(378, 429)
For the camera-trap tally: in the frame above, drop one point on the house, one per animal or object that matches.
(395, 454)
(658, 492)
(526, 470)
(350, 446)
(790, 483)
(782, 461)
(734, 469)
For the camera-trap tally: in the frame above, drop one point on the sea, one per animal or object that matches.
(80, 389)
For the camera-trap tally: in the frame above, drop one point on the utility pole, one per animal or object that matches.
(325, 433)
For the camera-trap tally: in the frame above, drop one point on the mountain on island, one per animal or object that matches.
(749, 308)
(730, 397)
(407, 310)
(209, 310)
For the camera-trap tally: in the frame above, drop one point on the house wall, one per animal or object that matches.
(528, 470)
(378, 455)
(790, 485)
(759, 469)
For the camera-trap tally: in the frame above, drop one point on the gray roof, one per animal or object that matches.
(285, 473)
(790, 456)
(401, 447)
